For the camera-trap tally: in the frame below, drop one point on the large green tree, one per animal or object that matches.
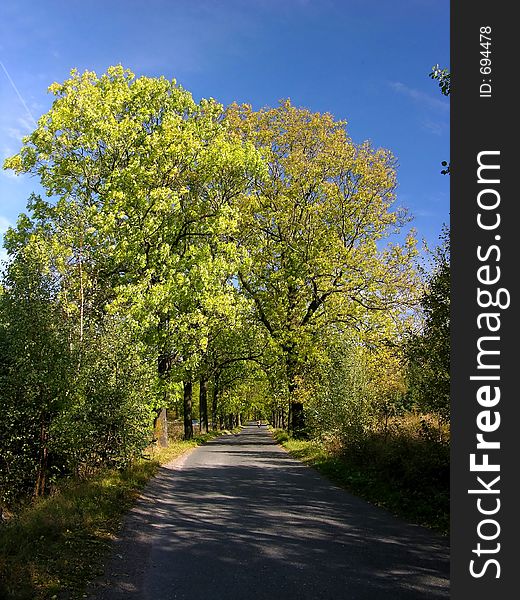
(142, 180)
(314, 231)
(428, 349)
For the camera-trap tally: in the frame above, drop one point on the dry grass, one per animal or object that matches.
(54, 546)
(403, 467)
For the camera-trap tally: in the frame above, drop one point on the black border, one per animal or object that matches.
(481, 124)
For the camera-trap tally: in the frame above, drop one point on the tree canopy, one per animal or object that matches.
(312, 231)
(255, 259)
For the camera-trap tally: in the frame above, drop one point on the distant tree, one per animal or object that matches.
(428, 350)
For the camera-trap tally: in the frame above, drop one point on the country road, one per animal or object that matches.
(239, 519)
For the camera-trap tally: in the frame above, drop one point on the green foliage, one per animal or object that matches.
(428, 350)
(401, 472)
(313, 232)
(342, 404)
(144, 178)
(107, 420)
(65, 409)
(280, 435)
(34, 374)
(443, 76)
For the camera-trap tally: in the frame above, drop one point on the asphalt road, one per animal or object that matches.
(239, 519)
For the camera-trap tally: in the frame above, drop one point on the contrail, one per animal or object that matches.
(18, 94)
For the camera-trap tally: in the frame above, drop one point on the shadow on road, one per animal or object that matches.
(242, 519)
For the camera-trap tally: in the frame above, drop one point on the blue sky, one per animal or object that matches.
(365, 61)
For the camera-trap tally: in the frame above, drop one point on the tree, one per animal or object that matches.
(428, 350)
(150, 176)
(72, 385)
(313, 231)
(34, 373)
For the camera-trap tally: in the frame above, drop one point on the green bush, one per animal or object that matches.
(410, 475)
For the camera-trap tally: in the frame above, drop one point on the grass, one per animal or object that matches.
(55, 545)
(406, 475)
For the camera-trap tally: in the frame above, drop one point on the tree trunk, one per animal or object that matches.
(214, 403)
(188, 402)
(160, 426)
(296, 417)
(41, 475)
(203, 404)
(297, 425)
(164, 363)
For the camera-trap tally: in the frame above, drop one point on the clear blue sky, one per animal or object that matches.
(365, 61)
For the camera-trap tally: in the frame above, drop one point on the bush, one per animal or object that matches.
(68, 408)
(108, 420)
(408, 473)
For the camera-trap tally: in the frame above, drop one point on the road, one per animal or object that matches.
(239, 519)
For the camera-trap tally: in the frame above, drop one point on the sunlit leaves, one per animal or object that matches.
(428, 349)
(314, 230)
(180, 241)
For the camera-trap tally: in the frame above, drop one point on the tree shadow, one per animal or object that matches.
(242, 519)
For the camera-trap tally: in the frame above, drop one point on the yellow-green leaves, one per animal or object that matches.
(146, 181)
(207, 237)
(313, 228)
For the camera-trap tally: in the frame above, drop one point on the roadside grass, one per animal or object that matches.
(55, 545)
(400, 472)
